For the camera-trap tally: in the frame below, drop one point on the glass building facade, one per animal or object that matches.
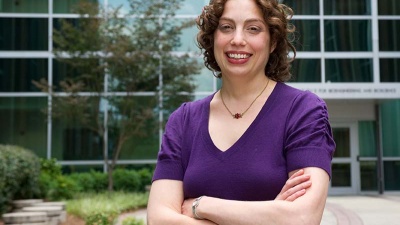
(348, 53)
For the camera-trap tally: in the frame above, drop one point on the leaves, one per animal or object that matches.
(108, 56)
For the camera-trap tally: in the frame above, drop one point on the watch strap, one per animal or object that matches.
(195, 204)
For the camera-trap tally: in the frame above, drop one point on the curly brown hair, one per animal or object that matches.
(277, 17)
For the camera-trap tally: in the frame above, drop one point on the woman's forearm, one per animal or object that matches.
(170, 217)
(227, 212)
(307, 209)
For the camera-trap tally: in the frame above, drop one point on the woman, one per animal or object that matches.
(248, 153)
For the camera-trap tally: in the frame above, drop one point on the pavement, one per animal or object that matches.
(344, 210)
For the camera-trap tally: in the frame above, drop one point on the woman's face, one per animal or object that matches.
(242, 42)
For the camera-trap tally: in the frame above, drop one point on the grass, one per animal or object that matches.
(86, 205)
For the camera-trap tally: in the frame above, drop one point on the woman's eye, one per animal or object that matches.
(254, 29)
(225, 27)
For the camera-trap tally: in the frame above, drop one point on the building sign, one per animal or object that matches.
(352, 91)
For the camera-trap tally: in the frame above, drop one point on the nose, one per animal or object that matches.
(238, 39)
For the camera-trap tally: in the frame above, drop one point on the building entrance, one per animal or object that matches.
(345, 173)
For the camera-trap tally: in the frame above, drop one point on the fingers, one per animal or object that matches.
(295, 186)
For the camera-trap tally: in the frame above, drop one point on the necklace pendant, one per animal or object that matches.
(237, 116)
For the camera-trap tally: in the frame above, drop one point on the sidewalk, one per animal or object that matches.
(346, 210)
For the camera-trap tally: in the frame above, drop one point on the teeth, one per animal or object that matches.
(238, 56)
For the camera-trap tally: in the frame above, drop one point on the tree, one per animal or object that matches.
(110, 57)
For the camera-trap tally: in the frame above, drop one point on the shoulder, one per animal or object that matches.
(191, 110)
(300, 99)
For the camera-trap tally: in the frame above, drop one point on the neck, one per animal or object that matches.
(242, 90)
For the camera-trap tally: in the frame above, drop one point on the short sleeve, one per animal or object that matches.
(309, 140)
(169, 160)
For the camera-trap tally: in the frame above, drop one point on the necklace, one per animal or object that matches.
(240, 115)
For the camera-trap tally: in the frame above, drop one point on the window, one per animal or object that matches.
(390, 70)
(349, 70)
(62, 71)
(389, 7)
(23, 123)
(23, 34)
(390, 112)
(391, 175)
(346, 7)
(306, 70)
(24, 6)
(190, 7)
(16, 75)
(389, 35)
(68, 6)
(368, 174)
(73, 141)
(307, 35)
(301, 7)
(348, 35)
(145, 142)
(367, 138)
(187, 37)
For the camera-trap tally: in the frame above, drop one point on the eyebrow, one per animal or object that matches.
(246, 21)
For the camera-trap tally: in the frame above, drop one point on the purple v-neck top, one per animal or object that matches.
(291, 132)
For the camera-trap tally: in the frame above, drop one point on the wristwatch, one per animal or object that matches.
(196, 203)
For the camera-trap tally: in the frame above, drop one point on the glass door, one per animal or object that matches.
(345, 174)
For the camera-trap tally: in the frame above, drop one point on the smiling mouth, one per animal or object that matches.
(239, 56)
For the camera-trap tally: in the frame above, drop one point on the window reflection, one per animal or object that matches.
(71, 139)
(190, 7)
(68, 6)
(187, 38)
(16, 75)
(389, 31)
(346, 7)
(63, 71)
(348, 35)
(349, 70)
(138, 117)
(205, 80)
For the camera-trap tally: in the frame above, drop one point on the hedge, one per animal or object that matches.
(19, 175)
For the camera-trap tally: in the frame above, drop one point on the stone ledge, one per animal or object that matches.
(25, 202)
(50, 210)
(25, 217)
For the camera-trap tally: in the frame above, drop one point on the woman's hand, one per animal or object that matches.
(295, 186)
(187, 207)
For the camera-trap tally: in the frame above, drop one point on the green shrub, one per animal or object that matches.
(19, 175)
(100, 181)
(50, 167)
(90, 206)
(146, 176)
(102, 218)
(126, 180)
(53, 185)
(132, 221)
(92, 181)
